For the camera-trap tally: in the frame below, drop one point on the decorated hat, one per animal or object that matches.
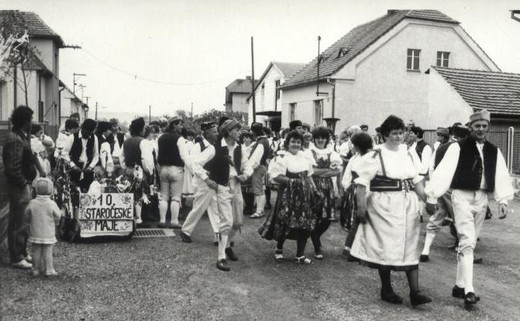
(294, 124)
(174, 119)
(443, 131)
(229, 125)
(482, 114)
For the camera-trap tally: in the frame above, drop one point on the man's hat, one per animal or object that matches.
(174, 119)
(443, 131)
(294, 124)
(306, 125)
(482, 114)
(89, 124)
(104, 126)
(207, 125)
(229, 125)
(222, 120)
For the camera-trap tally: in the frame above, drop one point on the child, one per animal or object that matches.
(43, 214)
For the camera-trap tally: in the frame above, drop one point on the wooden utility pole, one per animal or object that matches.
(95, 115)
(149, 113)
(253, 79)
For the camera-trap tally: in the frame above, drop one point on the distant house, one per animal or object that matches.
(41, 70)
(268, 96)
(378, 69)
(237, 93)
(70, 104)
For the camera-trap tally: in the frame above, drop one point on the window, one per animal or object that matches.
(442, 58)
(276, 85)
(318, 112)
(292, 111)
(412, 61)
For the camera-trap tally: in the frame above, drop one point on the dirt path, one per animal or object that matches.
(165, 279)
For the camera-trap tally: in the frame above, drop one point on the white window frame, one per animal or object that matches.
(443, 59)
(413, 59)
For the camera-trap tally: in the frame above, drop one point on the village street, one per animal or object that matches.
(165, 279)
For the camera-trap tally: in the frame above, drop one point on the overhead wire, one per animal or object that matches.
(170, 83)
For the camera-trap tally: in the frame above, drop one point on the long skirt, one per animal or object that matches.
(390, 237)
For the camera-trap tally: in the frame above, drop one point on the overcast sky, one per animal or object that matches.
(172, 53)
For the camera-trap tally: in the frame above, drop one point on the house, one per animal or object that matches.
(70, 104)
(34, 82)
(237, 93)
(268, 96)
(469, 90)
(379, 68)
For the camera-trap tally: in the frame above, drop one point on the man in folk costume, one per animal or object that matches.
(258, 160)
(106, 163)
(82, 149)
(472, 168)
(132, 162)
(173, 155)
(203, 195)
(423, 150)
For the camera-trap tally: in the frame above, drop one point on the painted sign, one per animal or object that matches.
(106, 214)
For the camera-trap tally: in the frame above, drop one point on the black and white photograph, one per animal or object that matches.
(259, 160)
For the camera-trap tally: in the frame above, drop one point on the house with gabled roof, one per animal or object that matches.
(379, 68)
(41, 84)
(268, 96)
(237, 93)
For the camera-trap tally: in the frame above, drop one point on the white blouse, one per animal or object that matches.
(399, 164)
(290, 162)
(335, 159)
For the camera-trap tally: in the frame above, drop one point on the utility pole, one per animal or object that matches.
(149, 113)
(74, 75)
(191, 113)
(253, 79)
(95, 115)
(87, 97)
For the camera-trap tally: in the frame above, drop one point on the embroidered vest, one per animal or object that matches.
(468, 174)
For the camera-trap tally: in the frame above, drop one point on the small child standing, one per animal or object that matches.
(43, 214)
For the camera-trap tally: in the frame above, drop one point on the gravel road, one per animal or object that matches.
(165, 279)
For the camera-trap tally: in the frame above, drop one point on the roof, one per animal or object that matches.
(36, 27)
(359, 39)
(287, 69)
(240, 86)
(498, 92)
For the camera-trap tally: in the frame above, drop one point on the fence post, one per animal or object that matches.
(510, 148)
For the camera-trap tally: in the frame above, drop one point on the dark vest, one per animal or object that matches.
(169, 151)
(202, 146)
(419, 147)
(132, 151)
(468, 174)
(120, 139)
(77, 148)
(218, 166)
(264, 142)
(440, 152)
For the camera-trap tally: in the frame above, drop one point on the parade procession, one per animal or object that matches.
(375, 182)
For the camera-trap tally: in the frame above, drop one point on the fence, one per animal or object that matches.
(507, 141)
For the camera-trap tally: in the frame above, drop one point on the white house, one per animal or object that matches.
(237, 93)
(268, 97)
(379, 68)
(70, 104)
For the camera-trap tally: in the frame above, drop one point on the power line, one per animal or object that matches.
(137, 77)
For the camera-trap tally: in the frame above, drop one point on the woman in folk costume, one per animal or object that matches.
(362, 144)
(327, 166)
(292, 217)
(388, 235)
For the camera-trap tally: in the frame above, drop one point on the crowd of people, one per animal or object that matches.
(379, 186)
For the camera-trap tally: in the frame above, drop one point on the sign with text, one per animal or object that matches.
(106, 214)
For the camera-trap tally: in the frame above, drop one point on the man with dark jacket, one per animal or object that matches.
(19, 165)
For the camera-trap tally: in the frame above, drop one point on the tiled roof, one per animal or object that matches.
(288, 69)
(32, 22)
(498, 92)
(358, 39)
(240, 86)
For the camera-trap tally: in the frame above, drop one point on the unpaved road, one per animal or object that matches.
(164, 279)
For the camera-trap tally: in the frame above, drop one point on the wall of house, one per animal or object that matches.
(239, 102)
(384, 86)
(47, 51)
(265, 97)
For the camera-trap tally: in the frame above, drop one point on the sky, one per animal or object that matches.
(172, 54)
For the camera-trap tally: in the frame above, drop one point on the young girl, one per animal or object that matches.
(44, 215)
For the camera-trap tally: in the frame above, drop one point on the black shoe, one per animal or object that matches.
(471, 298)
(417, 299)
(391, 297)
(457, 292)
(477, 261)
(185, 237)
(222, 265)
(230, 254)
(424, 258)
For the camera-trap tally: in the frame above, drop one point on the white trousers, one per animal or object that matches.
(204, 199)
